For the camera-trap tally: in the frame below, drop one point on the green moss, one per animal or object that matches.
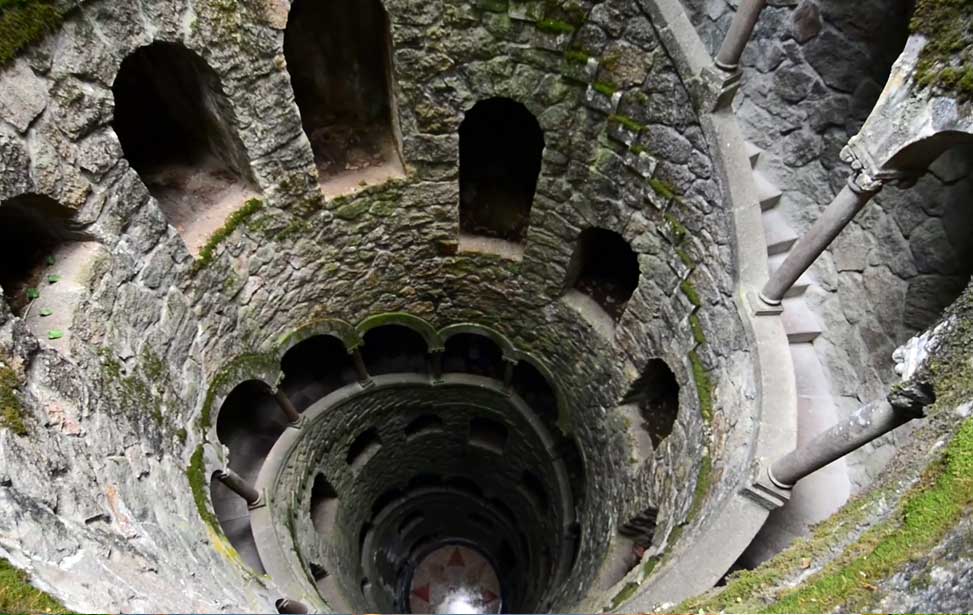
(196, 474)
(553, 26)
(704, 387)
(690, 291)
(685, 258)
(570, 11)
(493, 6)
(623, 596)
(923, 517)
(182, 435)
(697, 328)
(18, 596)
(240, 369)
(25, 22)
(235, 219)
(704, 482)
(136, 397)
(663, 188)
(352, 210)
(627, 122)
(604, 88)
(11, 410)
(576, 56)
(946, 62)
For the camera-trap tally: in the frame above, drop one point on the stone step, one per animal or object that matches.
(778, 233)
(753, 153)
(767, 193)
(800, 323)
(774, 261)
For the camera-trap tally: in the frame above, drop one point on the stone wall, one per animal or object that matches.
(96, 501)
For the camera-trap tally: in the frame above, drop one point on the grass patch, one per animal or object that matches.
(232, 223)
(11, 410)
(625, 595)
(18, 596)
(576, 56)
(690, 291)
(25, 22)
(923, 517)
(697, 328)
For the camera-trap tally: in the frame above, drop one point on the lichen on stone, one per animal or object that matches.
(946, 62)
(232, 223)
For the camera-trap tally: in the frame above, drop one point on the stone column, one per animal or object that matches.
(359, 362)
(871, 421)
(737, 37)
(508, 372)
(293, 416)
(842, 210)
(436, 364)
(235, 483)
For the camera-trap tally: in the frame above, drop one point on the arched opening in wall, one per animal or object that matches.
(393, 349)
(488, 434)
(248, 424)
(531, 385)
(314, 368)
(178, 132)
(339, 58)
(940, 241)
(605, 269)
(324, 505)
(365, 446)
(37, 240)
(656, 396)
(291, 607)
(469, 353)
(500, 149)
(423, 425)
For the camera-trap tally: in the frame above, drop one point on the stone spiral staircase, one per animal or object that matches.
(821, 494)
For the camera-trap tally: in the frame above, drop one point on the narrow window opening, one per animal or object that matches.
(394, 349)
(469, 353)
(605, 269)
(290, 606)
(177, 131)
(324, 505)
(501, 144)
(488, 434)
(318, 572)
(656, 395)
(363, 448)
(37, 239)
(314, 368)
(339, 58)
(423, 425)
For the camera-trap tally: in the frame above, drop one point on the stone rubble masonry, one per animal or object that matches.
(97, 502)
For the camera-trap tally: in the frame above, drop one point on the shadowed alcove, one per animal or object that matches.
(339, 58)
(501, 144)
(604, 268)
(177, 131)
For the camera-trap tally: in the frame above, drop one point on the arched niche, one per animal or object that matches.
(473, 354)
(35, 230)
(339, 57)
(315, 367)
(605, 269)
(501, 144)
(394, 348)
(178, 132)
(656, 396)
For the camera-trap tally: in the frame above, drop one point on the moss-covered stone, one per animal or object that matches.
(235, 219)
(25, 22)
(946, 62)
(196, 474)
(11, 410)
